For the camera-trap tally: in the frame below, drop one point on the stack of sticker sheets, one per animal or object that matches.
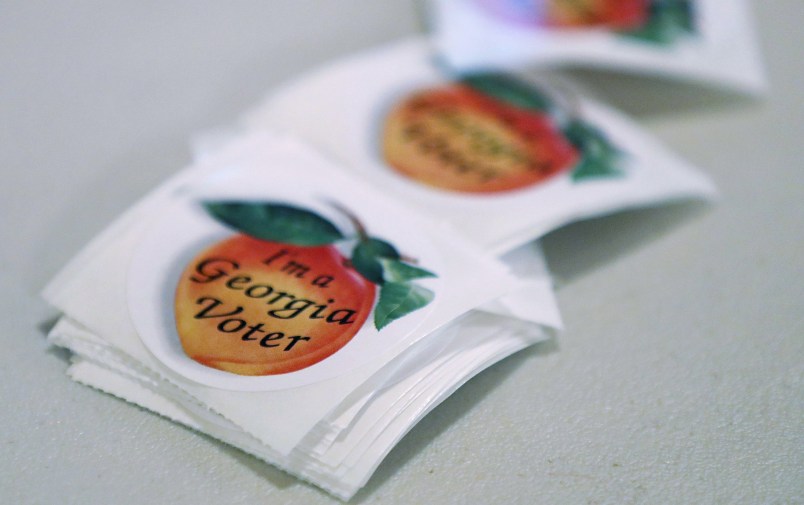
(358, 246)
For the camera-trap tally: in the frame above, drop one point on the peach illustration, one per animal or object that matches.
(459, 138)
(278, 296)
(254, 307)
(615, 14)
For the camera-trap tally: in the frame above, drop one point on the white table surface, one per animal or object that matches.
(679, 378)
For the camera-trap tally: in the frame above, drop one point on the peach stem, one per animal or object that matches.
(359, 227)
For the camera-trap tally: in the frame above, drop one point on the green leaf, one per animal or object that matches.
(599, 158)
(275, 222)
(667, 20)
(591, 168)
(397, 271)
(367, 255)
(507, 89)
(398, 299)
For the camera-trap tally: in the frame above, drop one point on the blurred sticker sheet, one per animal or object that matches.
(709, 41)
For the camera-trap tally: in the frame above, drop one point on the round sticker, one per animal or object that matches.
(268, 294)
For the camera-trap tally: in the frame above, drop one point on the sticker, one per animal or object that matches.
(502, 158)
(655, 21)
(490, 133)
(709, 41)
(257, 294)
